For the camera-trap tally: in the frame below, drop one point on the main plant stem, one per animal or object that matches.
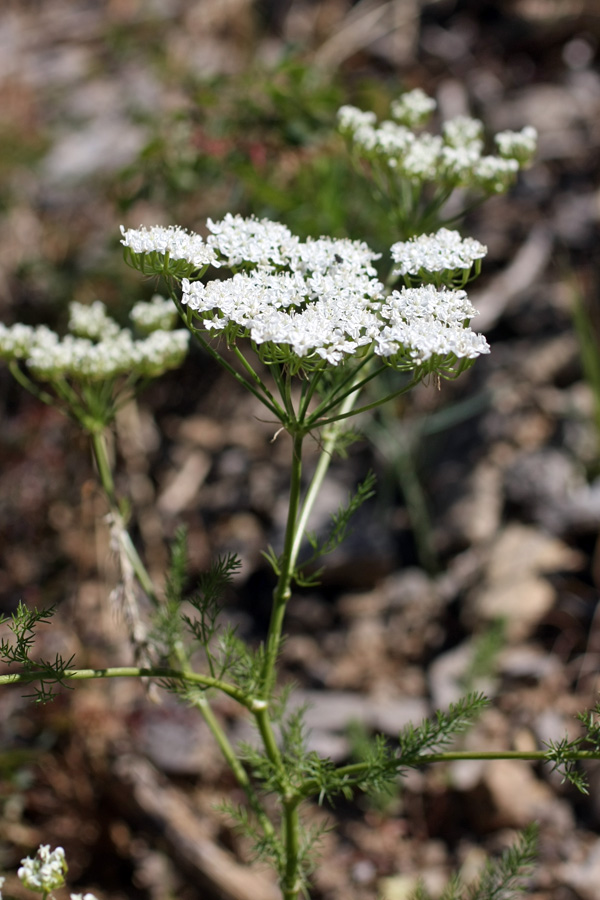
(283, 588)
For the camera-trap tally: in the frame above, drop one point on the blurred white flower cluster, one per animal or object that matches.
(455, 158)
(45, 871)
(97, 349)
(304, 302)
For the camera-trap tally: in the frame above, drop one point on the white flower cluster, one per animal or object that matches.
(102, 355)
(454, 158)
(171, 241)
(46, 871)
(443, 251)
(91, 321)
(413, 108)
(519, 145)
(156, 314)
(328, 303)
(424, 322)
(236, 240)
(17, 340)
(321, 305)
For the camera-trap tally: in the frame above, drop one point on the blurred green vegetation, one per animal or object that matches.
(264, 143)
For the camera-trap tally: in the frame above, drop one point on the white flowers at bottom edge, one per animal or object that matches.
(46, 871)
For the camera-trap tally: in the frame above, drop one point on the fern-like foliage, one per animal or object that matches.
(560, 753)
(433, 735)
(16, 651)
(340, 524)
(502, 879)
(171, 625)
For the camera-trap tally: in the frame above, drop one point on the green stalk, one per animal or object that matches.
(291, 883)
(106, 478)
(235, 765)
(354, 772)
(283, 588)
(161, 672)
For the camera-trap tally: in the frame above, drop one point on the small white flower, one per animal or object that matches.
(352, 119)
(88, 896)
(236, 240)
(46, 871)
(495, 174)
(413, 108)
(519, 145)
(158, 313)
(443, 251)
(421, 162)
(463, 131)
(393, 140)
(91, 321)
(173, 241)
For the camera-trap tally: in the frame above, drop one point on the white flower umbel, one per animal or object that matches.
(328, 305)
(17, 341)
(156, 314)
(422, 160)
(519, 145)
(236, 240)
(424, 322)
(334, 255)
(351, 117)
(413, 108)
(172, 247)
(83, 360)
(494, 173)
(326, 315)
(160, 351)
(463, 131)
(91, 321)
(451, 160)
(46, 871)
(444, 251)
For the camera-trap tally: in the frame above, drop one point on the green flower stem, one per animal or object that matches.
(104, 467)
(330, 437)
(160, 672)
(19, 375)
(262, 394)
(283, 590)
(274, 406)
(368, 406)
(202, 704)
(291, 884)
(106, 478)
